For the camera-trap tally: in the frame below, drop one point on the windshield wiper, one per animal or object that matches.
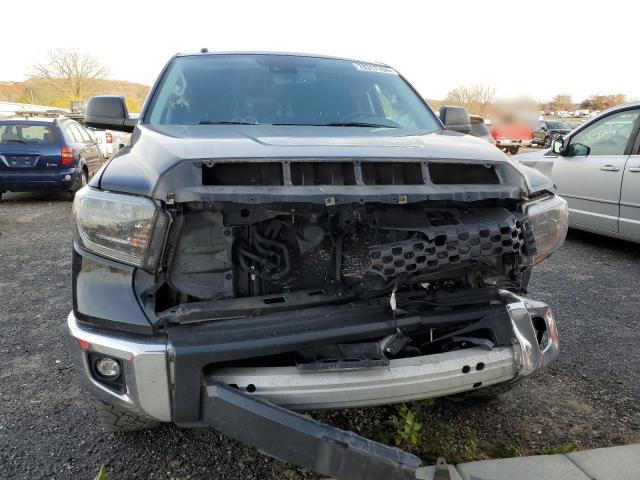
(215, 122)
(338, 124)
(357, 124)
(14, 141)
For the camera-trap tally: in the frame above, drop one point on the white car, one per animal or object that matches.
(596, 168)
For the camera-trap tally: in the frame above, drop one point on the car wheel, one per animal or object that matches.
(118, 420)
(84, 180)
(513, 150)
(547, 142)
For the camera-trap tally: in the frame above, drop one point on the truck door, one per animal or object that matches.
(630, 193)
(589, 173)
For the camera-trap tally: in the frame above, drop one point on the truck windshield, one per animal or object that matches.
(287, 90)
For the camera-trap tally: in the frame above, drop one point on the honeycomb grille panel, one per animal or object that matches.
(449, 246)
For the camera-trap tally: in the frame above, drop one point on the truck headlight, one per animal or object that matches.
(125, 228)
(549, 221)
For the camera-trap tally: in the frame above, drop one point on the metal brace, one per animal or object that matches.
(442, 470)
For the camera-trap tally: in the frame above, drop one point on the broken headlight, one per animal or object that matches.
(549, 221)
(121, 227)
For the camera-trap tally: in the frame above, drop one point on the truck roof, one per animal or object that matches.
(287, 54)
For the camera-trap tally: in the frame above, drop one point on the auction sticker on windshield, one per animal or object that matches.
(370, 67)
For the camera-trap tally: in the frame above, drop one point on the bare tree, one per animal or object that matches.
(476, 98)
(562, 102)
(73, 73)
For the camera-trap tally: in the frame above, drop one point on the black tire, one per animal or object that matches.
(547, 142)
(84, 179)
(118, 420)
(513, 150)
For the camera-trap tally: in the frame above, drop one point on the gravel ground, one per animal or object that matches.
(48, 429)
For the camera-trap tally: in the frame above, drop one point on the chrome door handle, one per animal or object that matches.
(610, 168)
(634, 169)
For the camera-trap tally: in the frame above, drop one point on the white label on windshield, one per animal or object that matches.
(371, 67)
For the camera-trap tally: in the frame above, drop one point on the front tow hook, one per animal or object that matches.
(300, 440)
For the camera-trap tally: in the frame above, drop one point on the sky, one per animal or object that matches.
(539, 48)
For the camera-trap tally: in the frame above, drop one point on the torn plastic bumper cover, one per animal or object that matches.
(289, 436)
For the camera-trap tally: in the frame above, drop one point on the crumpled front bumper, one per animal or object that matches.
(252, 411)
(412, 378)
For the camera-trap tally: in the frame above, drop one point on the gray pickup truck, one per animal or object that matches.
(292, 232)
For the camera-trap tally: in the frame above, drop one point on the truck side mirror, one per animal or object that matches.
(109, 113)
(455, 118)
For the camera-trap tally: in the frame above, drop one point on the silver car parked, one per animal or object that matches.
(596, 168)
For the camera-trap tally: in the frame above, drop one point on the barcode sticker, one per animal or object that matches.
(372, 67)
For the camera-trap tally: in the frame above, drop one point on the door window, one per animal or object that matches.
(78, 134)
(86, 138)
(608, 136)
(73, 134)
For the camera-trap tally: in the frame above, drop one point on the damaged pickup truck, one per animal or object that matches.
(289, 232)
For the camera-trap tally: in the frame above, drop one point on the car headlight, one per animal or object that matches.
(548, 221)
(125, 228)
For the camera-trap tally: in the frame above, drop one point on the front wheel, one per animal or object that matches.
(547, 142)
(513, 150)
(116, 419)
(84, 179)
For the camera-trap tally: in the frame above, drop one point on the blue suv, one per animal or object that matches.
(46, 154)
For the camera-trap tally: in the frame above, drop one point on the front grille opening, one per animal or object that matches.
(325, 173)
(392, 173)
(245, 173)
(463, 174)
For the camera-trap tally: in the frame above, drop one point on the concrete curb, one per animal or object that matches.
(613, 463)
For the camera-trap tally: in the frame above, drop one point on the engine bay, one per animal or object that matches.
(226, 260)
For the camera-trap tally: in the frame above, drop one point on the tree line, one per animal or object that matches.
(480, 99)
(564, 102)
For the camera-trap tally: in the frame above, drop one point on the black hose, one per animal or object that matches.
(275, 244)
(252, 256)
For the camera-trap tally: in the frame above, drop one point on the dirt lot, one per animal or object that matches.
(48, 429)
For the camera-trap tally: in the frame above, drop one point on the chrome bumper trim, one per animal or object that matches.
(530, 355)
(144, 363)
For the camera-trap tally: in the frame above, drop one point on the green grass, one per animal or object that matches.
(413, 427)
(102, 474)
(562, 449)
